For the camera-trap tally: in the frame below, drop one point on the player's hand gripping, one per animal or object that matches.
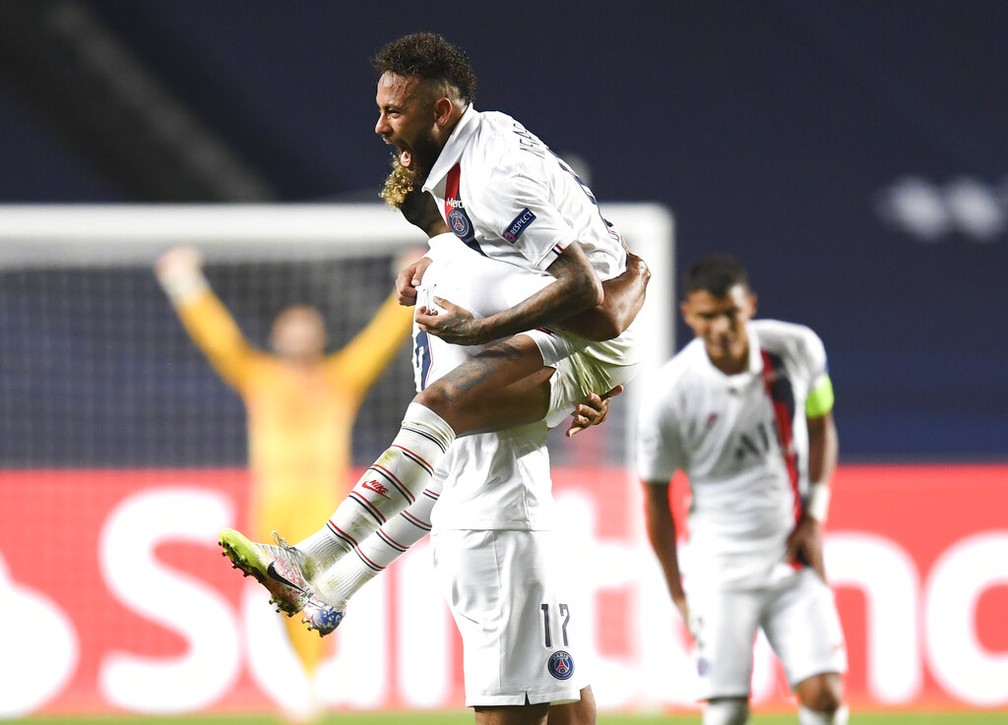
(805, 545)
(419, 209)
(409, 279)
(451, 323)
(591, 412)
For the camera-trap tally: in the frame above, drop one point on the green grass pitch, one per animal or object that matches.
(465, 717)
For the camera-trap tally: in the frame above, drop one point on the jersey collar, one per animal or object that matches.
(755, 354)
(452, 150)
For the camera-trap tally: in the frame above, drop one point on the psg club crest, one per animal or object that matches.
(561, 665)
(459, 223)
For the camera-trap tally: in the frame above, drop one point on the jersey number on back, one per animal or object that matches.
(421, 359)
(548, 634)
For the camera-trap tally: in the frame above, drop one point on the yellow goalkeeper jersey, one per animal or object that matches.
(299, 419)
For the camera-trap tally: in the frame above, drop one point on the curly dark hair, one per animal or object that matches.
(431, 57)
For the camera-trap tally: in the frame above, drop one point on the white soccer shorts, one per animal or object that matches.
(519, 623)
(584, 367)
(798, 616)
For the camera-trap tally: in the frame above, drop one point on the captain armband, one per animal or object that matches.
(820, 399)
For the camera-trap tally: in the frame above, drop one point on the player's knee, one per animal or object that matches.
(728, 711)
(582, 712)
(821, 694)
(436, 397)
(458, 404)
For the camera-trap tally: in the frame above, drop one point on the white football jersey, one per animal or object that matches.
(742, 441)
(493, 480)
(504, 193)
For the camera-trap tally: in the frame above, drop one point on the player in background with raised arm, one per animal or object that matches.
(505, 195)
(744, 410)
(300, 402)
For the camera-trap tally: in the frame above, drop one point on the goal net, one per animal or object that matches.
(97, 371)
(114, 427)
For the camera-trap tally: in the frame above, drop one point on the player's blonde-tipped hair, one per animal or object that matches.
(399, 183)
(430, 57)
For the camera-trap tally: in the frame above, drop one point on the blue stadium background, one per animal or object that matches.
(853, 154)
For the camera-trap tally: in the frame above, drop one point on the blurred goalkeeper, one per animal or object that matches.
(300, 402)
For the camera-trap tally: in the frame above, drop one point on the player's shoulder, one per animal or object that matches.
(497, 122)
(495, 135)
(507, 146)
(791, 340)
(777, 332)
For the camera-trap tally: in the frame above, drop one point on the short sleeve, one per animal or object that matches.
(810, 356)
(812, 359)
(658, 447)
(528, 221)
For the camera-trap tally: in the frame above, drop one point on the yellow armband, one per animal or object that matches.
(820, 399)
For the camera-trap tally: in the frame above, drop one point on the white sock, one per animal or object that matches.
(728, 711)
(389, 485)
(813, 717)
(348, 574)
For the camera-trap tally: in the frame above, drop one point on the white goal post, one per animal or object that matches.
(133, 234)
